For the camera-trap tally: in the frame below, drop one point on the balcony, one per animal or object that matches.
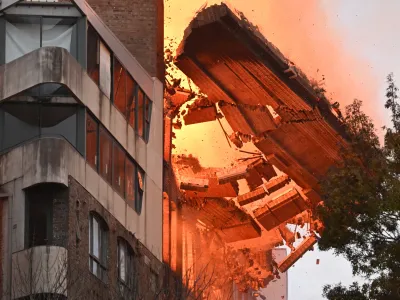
(39, 270)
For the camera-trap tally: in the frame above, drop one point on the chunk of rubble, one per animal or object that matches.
(294, 256)
(232, 174)
(200, 115)
(286, 234)
(194, 184)
(281, 209)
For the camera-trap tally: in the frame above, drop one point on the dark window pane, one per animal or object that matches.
(119, 86)
(39, 214)
(147, 113)
(98, 235)
(139, 190)
(93, 54)
(105, 155)
(59, 120)
(140, 112)
(130, 182)
(126, 264)
(21, 123)
(22, 36)
(119, 169)
(131, 98)
(91, 141)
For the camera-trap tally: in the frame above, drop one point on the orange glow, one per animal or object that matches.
(302, 33)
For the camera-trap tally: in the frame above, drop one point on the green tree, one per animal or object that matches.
(361, 209)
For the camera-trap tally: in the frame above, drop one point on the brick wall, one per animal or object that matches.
(81, 203)
(60, 217)
(139, 24)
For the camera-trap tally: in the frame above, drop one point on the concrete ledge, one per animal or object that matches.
(38, 270)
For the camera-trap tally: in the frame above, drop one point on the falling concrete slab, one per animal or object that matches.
(233, 174)
(281, 209)
(297, 254)
(194, 184)
(200, 115)
(263, 190)
(276, 184)
(252, 196)
(216, 190)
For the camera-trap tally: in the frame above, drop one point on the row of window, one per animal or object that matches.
(27, 33)
(117, 84)
(110, 160)
(20, 122)
(98, 253)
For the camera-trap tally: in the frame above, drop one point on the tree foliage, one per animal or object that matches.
(361, 209)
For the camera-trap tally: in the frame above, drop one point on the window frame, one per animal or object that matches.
(130, 264)
(97, 158)
(8, 18)
(139, 192)
(145, 125)
(138, 195)
(103, 235)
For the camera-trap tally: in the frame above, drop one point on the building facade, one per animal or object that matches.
(81, 146)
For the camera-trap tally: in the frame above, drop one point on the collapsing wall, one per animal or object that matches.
(269, 104)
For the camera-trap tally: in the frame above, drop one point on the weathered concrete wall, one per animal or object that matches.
(48, 267)
(57, 65)
(14, 177)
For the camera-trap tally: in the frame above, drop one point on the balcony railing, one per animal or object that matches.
(39, 270)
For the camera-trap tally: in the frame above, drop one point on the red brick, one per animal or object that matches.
(139, 24)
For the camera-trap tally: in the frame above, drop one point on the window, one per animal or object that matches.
(25, 121)
(20, 123)
(105, 155)
(98, 243)
(39, 207)
(147, 117)
(131, 99)
(114, 164)
(130, 170)
(93, 53)
(153, 282)
(60, 32)
(92, 133)
(119, 87)
(119, 169)
(59, 120)
(28, 33)
(126, 264)
(105, 70)
(139, 190)
(140, 112)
